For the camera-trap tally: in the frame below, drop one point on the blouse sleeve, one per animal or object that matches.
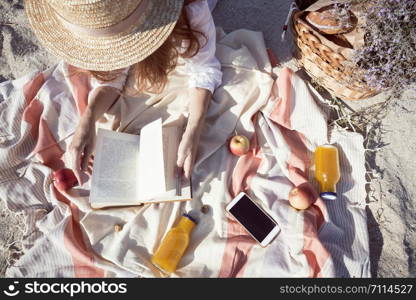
(204, 68)
(117, 83)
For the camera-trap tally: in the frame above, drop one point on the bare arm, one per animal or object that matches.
(83, 141)
(100, 101)
(199, 102)
(198, 106)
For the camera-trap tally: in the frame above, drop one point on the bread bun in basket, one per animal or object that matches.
(328, 22)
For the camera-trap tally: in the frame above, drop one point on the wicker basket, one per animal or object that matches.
(324, 61)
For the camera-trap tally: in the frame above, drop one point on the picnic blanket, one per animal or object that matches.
(65, 237)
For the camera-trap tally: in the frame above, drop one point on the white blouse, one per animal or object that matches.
(204, 69)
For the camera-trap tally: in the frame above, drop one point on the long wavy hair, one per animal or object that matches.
(151, 74)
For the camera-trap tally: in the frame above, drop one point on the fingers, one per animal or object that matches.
(181, 157)
(86, 157)
(91, 161)
(90, 165)
(82, 147)
(89, 170)
(180, 161)
(188, 166)
(76, 163)
(186, 155)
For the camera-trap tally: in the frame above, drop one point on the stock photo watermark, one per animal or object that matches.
(70, 289)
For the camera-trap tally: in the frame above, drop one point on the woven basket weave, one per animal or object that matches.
(324, 61)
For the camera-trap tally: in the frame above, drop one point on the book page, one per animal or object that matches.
(114, 179)
(177, 186)
(170, 154)
(151, 161)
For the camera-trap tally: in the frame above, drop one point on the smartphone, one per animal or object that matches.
(253, 218)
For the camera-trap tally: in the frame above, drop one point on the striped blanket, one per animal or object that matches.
(66, 238)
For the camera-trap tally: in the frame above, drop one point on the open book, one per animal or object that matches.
(134, 169)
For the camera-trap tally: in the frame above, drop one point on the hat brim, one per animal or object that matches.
(104, 53)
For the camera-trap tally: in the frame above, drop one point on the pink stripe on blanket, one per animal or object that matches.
(32, 115)
(244, 171)
(315, 252)
(282, 90)
(237, 251)
(298, 165)
(50, 153)
(239, 242)
(246, 166)
(31, 88)
(299, 161)
(80, 84)
(47, 149)
(46, 146)
(82, 257)
(33, 107)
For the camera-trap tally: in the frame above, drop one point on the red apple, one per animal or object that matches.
(239, 145)
(64, 179)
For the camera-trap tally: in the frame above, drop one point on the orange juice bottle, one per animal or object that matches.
(327, 171)
(174, 244)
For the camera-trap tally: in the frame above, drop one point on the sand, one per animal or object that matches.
(391, 196)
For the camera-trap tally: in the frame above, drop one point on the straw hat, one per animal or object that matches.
(102, 35)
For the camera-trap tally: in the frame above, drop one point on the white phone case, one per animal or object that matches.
(270, 236)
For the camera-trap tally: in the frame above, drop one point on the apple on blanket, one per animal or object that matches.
(64, 179)
(239, 145)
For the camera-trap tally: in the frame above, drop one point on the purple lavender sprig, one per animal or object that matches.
(388, 58)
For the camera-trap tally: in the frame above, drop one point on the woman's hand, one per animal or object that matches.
(187, 150)
(188, 146)
(83, 142)
(82, 146)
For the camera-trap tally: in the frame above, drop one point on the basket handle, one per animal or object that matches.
(292, 9)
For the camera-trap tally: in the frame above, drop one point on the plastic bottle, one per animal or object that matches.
(174, 245)
(327, 171)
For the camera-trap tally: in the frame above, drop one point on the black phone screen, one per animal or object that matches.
(252, 218)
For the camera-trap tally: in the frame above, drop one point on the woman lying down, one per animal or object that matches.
(140, 39)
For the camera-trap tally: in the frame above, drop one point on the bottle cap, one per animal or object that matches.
(189, 217)
(328, 195)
